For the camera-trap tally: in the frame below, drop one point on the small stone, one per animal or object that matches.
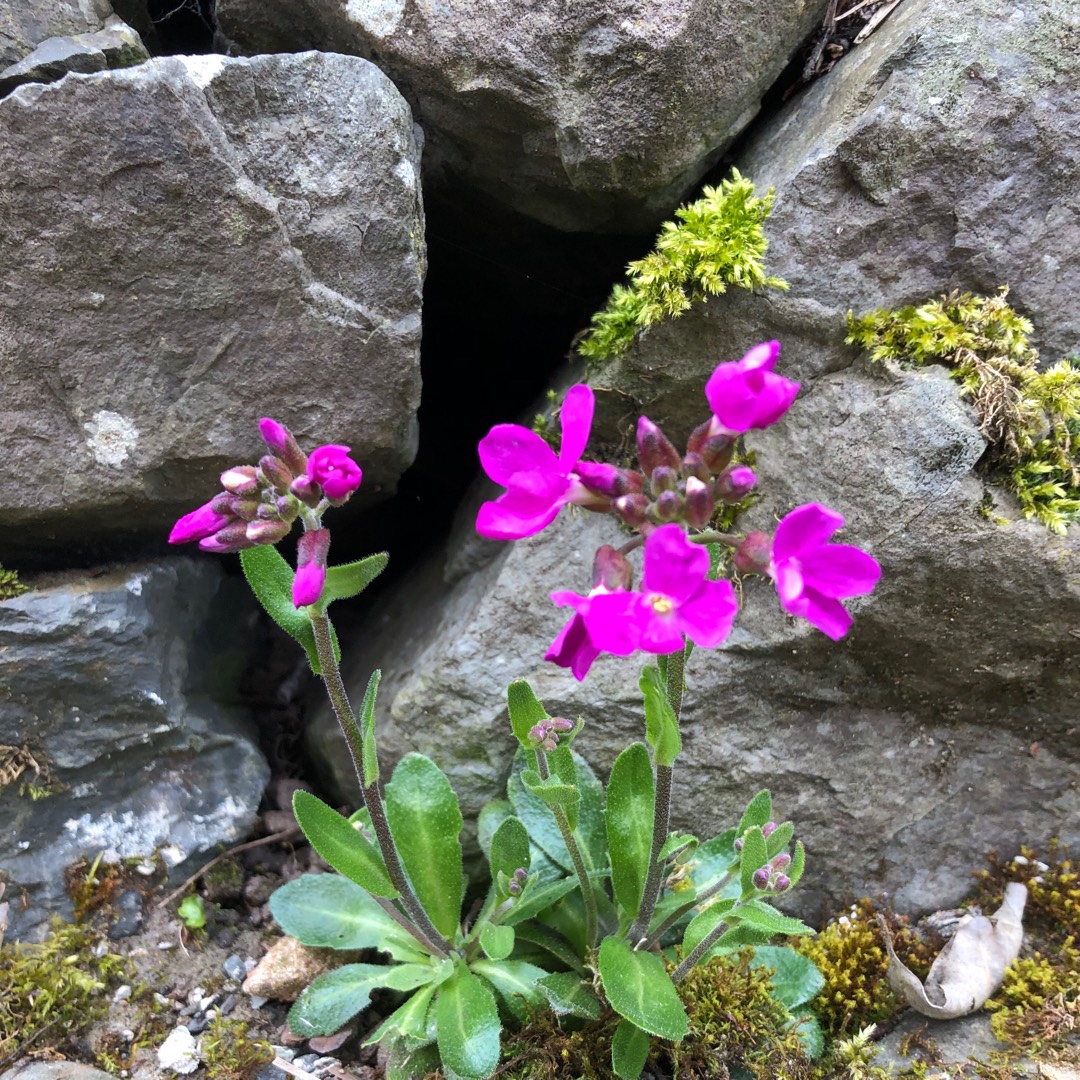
(287, 968)
(286, 1053)
(225, 938)
(228, 1004)
(271, 1072)
(324, 1064)
(179, 1053)
(257, 1001)
(161, 999)
(198, 1023)
(122, 993)
(306, 1061)
(235, 969)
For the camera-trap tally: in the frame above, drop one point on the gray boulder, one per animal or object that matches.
(116, 46)
(189, 245)
(585, 116)
(27, 23)
(112, 734)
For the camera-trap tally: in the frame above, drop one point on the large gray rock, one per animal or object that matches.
(944, 725)
(25, 24)
(586, 116)
(110, 684)
(189, 245)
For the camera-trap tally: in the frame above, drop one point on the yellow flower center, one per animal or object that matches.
(662, 605)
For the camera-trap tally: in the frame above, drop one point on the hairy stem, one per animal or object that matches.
(698, 951)
(679, 912)
(346, 718)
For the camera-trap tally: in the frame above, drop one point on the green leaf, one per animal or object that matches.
(569, 995)
(552, 791)
(536, 933)
(343, 582)
(778, 839)
(497, 941)
(754, 857)
(341, 845)
(766, 917)
(271, 579)
(491, 816)
(704, 923)
(809, 1030)
(684, 843)
(631, 801)
(564, 771)
(333, 999)
(508, 852)
(639, 989)
(515, 981)
(629, 1051)
(525, 710)
(758, 812)
(797, 864)
(425, 821)
(409, 1019)
(534, 900)
(795, 979)
(327, 911)
(469, 1026)
(661, 723)
(369, 759)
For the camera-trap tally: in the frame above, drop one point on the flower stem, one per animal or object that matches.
(346, 718)
(575, 856)
(674, 682)
(699, 950)
(679, 912)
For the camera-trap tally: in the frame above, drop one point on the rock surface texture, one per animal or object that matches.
(189, 245)
(941, 153)
(585, 116)
(108, 686)
(24, 26)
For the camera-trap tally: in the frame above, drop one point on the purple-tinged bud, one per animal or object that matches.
(275, 473)
(560, 723)
(282, 444)
(663, 478)
(246, 509)
(267, 532)
(761, 878)
(632, 509)
(550, 743)
(513, 888)
(222, 504)
(240, 480)
(668, 507)
(538, 733)
(607, 480)
(654, 448)
(611, 569)
(268, 511)
(781, 883)
(733, 484)
(781, 861)
(700, 503)
(715, 450)
(311, 553)
(306, 490)
(754, 554)
(738, 843)
(287, 507)
(232, 537)
(200, 523)
(769, 828)
(692, 465)
(521, 875)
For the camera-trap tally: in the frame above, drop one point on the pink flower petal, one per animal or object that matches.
(762, 356)
(573, 648)
(789, 580)
(840, 570)
(807, 526)
(614, 622)
(499, 520)
(197, 525)
(824, 612)
(746, 394)
(576, 418)
(672, 565)
(661, 632)
(707, 617)
(510, 448)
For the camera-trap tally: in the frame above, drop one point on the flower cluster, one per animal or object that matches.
(670, 500)
(258, 504)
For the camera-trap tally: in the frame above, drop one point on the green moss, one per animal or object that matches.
(1030, 418)
(10, 585)
(718, 241)
(52, 992)
(230, 1054)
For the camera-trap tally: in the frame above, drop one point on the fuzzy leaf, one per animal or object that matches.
(327, 911)
(766, 917)
(754, 857)
(630, 805)
(525, 711)
(469, 1026)
(795, 978)
(369, 759)
(778, 839)
(639, 989)
(509, 851)
(497, 941)
(704, 923)
(346, 581)
(409, 1020)
(569, 995)
(536, 899)
(341, 845)
(629, 1051)
(758, 811)
(426, 821)
(661, 723)
(515, 981)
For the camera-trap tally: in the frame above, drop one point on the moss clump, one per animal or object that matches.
(52, 992)
(718, 241)
(10, 585)
(851, 955)
(230, 1054)
(1030, 418)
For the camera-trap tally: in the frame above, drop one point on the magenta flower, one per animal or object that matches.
(331, 467)
(745, 393)
(573, 648)
(198, 525)
(812, 576)
(676, 600)
(537, 482)
(311, 552)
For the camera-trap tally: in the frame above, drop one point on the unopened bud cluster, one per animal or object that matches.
(517, 881)
(771, 877)
(545, 735)
(766, 830)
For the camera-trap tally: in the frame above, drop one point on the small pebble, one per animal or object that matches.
(235, 969)
(165, 946)
(198, 1023)
(257, 1002)
(228, 1004)
(324, 1063)
(225, 938)
(179, 1053)
(306, 1062)
(161, 999)
(122, 993)
(271, 1072)
(147, 869)
(286, 1053)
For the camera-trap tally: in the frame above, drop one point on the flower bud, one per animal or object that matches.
(734, 483)
(738, 843)
(560, 723)
(513, 887)
(754, 554)
(240, 480)
(306, 490)
(611, 569)
(769, 828)
(607, 480)
(717, 453)
(245, 509)
(700, 503)
(692, 465)
(287, 507)
(654, 448)
(233, 537)
(632, 509)
(282, 444)
(311, 553)
(781, 861)
(222, 504)
(668, 507)
(663, 479)
(267, 532)
(275, 472)
(781, 883)
(761, 878)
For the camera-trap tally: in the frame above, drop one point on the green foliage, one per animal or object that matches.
(10, 585)
(1030, 418)
(718, 241)
(229, 1053)
(52, 992)
(192, 911)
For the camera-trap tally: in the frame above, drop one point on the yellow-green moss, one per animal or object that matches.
(10, 585)
(1030, 418)
(229, 1053)
(718, 241)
